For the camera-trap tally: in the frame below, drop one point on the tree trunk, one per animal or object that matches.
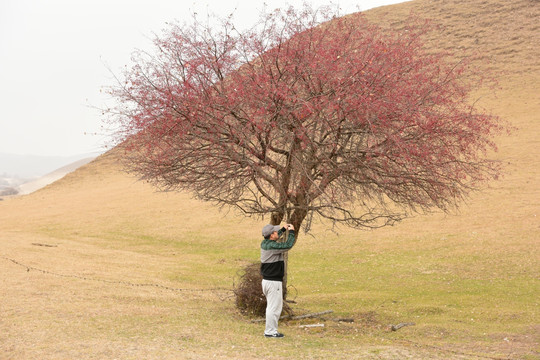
(296, 219)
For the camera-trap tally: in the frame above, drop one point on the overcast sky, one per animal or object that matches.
(55, 54)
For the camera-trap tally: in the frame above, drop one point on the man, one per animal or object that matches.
(273, 270)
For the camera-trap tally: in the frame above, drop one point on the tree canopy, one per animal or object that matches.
(305, 113)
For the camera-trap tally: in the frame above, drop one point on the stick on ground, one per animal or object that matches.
(299, 317)
(399, 326)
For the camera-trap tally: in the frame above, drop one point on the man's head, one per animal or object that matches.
(270, 232)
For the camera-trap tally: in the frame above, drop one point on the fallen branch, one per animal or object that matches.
(347, 320)
(311, 315)
(311, 325)
(299, 317)
(46, 245)
(399, 326)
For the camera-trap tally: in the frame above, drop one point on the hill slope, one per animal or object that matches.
(469, 281)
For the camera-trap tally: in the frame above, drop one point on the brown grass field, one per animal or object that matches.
(100, 266)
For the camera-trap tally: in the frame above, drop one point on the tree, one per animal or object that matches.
(303, 114)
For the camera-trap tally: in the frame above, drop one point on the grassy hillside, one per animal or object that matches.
(99, 265)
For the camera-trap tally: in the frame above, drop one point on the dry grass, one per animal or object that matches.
(470, 281)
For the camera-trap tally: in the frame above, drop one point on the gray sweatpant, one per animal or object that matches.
(273, 290)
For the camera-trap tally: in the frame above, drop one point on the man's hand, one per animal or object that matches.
(290, 227)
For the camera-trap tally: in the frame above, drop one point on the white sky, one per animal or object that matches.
(54, 56)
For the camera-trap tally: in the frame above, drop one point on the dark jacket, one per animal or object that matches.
(272, 261)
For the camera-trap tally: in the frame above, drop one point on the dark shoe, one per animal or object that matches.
(277, 335)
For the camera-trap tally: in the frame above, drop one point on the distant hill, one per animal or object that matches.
(24, 174)
(29, 167)
(51, 177)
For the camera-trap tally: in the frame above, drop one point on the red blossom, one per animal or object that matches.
(301, 114)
